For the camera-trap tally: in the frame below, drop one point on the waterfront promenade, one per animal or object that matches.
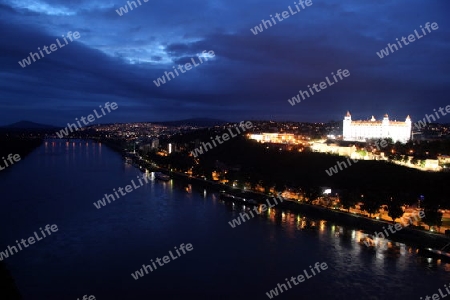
(354, 218)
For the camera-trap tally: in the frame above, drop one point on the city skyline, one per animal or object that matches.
(359, 117)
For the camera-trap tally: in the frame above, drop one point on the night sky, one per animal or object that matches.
(250, 77)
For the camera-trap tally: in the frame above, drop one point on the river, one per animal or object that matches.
(95, 251)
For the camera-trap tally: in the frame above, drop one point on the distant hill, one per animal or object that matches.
(28, 125)
(200, 122)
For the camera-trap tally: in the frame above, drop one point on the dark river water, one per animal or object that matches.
(95, 251)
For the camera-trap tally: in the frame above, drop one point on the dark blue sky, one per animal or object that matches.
(251, 76)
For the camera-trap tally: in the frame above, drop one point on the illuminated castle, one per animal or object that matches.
(373, 129)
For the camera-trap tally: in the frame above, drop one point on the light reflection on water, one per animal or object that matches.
(250, 259)
(345, 243)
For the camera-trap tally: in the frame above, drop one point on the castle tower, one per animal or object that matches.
(385, 127)
(408, 126)
(346, 128)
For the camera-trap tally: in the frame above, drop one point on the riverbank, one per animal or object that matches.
(408, 235)
(18, 145)
(8, 288)
(23, 146)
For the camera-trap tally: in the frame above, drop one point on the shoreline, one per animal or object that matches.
(408, 235)
(8, 286)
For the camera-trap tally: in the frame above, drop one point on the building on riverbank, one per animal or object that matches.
(372, 129)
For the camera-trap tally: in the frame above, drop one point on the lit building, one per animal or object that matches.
(443, 159)
(373, 129)
(278, 138)
(155, 144)
(333, 149)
